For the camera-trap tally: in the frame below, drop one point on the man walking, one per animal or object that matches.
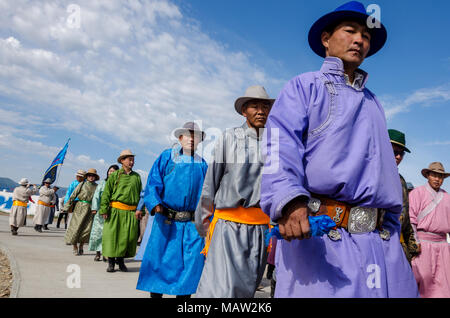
(430, 217)
(235, 249)
(118, 207)
(21, 196)
(53, 209)
(407, 239)
(328, 153)
(46, 200)
(172, 263)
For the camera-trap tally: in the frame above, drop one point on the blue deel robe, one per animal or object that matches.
(172, 263)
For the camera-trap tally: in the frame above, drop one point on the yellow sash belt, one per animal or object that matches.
(402, 240)
(254, 216)
(19, 203)
(43, 203)
(122, 206)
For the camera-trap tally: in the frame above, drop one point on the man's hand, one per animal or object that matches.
(138, 215)
(93, 211)
(105, 216)
(294, 223)
(157, 209)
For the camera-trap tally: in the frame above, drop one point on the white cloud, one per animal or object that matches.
(121, 73)
(425, 97)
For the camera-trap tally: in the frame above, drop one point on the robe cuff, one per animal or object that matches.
(277, 214)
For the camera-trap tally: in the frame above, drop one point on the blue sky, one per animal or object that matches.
(127, 73)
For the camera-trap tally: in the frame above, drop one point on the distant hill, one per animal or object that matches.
(8, 185)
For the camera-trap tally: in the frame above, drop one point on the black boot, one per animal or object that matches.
(111, 262)
(14, 230)
(121, 264)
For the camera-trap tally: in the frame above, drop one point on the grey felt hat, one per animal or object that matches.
(188, 127)
(253, 92)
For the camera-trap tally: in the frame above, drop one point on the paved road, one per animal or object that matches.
(44, 267)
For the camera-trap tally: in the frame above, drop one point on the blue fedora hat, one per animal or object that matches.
(352, 10)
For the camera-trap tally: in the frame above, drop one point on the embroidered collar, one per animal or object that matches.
(335, 66)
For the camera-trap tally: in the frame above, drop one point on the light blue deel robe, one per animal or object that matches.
(148, 229)
(172, 263)
(70, 189)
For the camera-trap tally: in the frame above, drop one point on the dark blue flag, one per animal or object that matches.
(59, 159)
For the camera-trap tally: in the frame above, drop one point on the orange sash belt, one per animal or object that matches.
(122, 206)
(43, 203)
(19, 203)
(402, 240)
(254, 216)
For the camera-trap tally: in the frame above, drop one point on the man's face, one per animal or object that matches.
(80, 179)
(256, 112)
(435, 180)
(47, 185)
(189, 141)
(399, 153)
(90, 178)
(128, 162)
(350, 42)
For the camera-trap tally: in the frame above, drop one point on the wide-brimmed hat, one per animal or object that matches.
(48, 180)
(125, 153)
(352, 10)
(81, 173)
(253, 92)
(93, 172)
(188, 127)
(398, 138)
(435, 167)
(23, 181)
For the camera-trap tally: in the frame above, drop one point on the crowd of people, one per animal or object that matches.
(321, 149)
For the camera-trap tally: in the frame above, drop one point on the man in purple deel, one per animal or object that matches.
(328, 153)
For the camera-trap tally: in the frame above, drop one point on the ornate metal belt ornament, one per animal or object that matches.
(362, 220)
(314, 205)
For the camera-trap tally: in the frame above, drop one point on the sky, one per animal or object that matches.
(114, 75)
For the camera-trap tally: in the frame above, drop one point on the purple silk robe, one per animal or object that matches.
(326, 137)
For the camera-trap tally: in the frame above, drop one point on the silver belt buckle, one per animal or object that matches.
(362, 220)
(183, 216)
(314, 205)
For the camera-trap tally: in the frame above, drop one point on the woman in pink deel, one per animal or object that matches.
(430, 217)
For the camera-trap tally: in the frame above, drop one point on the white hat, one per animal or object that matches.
(23, 181)
(81, 173)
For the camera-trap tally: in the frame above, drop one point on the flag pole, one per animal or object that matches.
(58, 172)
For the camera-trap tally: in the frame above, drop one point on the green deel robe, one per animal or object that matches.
(80, 225)
(120, 231)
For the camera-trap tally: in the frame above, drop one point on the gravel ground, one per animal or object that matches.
(6, 276)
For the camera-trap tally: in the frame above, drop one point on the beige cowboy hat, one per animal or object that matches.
(253, 92)
(81, 173)
(125, 153)
(187, 127)
(435, 167)
(23, 181)
(93, 172)
(48, 180)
